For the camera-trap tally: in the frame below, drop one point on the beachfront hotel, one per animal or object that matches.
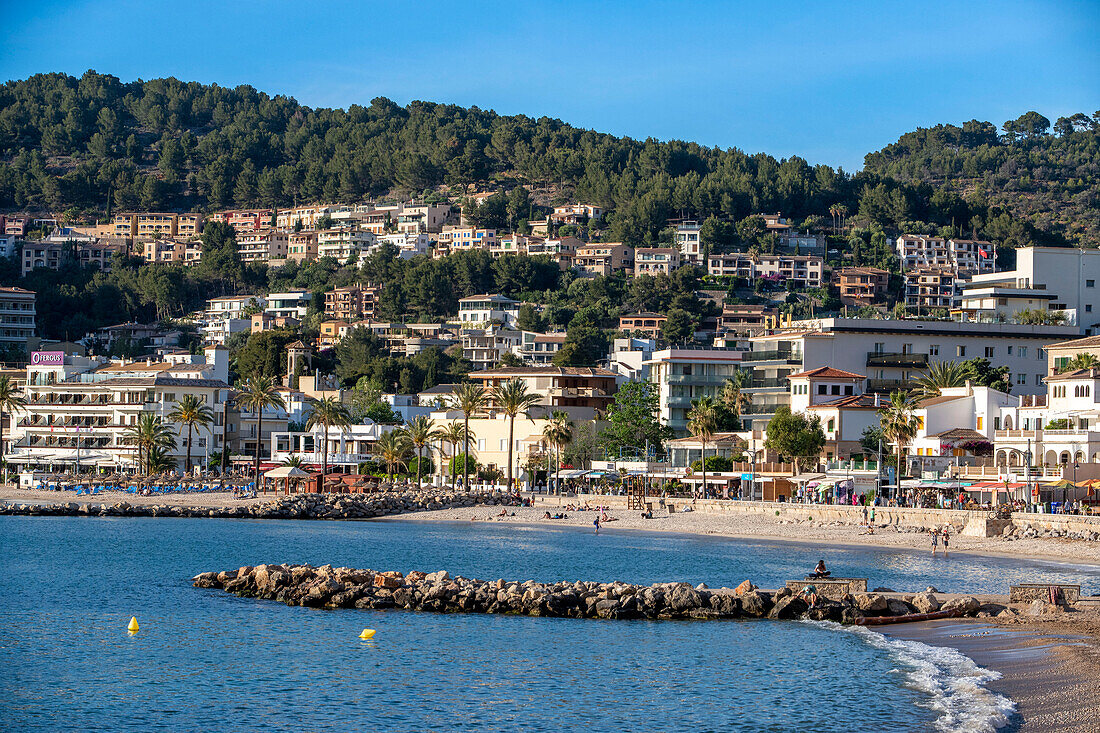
(79, 408)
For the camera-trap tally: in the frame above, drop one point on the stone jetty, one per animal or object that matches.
(329, 587)
(297, 506)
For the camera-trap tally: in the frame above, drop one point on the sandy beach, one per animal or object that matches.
(763, 527)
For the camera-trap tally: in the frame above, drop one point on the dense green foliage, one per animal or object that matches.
(86, 144)
(1027, 175)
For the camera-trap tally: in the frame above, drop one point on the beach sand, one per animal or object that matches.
(752, 526)
(1048, 665)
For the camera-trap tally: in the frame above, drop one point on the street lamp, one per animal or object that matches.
(1065, 488)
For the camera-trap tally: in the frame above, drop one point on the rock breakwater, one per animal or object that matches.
(329, 587)
(298, 506)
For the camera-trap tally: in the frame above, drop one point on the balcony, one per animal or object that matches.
(1035, 435)
(788, 357)
(904, 360)
(883, 386)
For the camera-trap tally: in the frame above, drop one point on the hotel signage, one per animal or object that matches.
(47, 358)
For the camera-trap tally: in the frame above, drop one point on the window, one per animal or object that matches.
(1010, 351)
(848, 390)
(960, 351)
(989, 352)
(822, 389)
(1038, 379)
(996, 423)
(832, 424)
(1022, 352)
(934, 350)
(480, 443)
(836, 389)
(880, 348)
(1088, 307)
(1041, 353)
(1090, 283)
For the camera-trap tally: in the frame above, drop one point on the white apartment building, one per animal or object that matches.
(891, 353)
(346, 448)
(806, 270)
(956, 424)
(343, 243)
(689, 243)
(538, 349)
(17, 314)
(262, 246)
(656, 260)
(416, 218)
(233, 306)
(307, 216)
(80, 408)
(457, 238)
(476, 311)
(408, 245)
(292, 303)
(484, 348)
(682, 375)
(1046, 278)
(921, 250)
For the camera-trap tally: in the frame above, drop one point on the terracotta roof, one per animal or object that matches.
(550, 338)
(851, 402)
(827, 372)
(1082, 342)
(714, 438)
(1092, 373)
(939, 400)
(960, 434)
(137, 366)
(547, 371)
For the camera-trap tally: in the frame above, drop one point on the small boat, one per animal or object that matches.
(907, 618)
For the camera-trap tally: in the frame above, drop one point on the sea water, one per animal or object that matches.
(207, 660)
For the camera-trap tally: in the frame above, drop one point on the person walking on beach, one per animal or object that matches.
(871, 525)
(597, 523)
(935, 540)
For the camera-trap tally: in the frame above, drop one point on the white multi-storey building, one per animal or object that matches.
(17, 314)
(79, 409)
(476, 311)
(343, 243)
(966, 255)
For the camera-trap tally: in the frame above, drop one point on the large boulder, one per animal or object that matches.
(757, 604)
(788, 607)
(743, 588)
(897, 607)
(963, 606)
(926, 603)
(871, 604)
(683, 598)
(725, 604)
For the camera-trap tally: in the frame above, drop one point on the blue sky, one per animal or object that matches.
(828, 81)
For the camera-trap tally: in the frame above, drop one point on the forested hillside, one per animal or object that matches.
(1050, 179)
(82, 145)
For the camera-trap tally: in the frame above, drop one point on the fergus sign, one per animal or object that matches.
(47, 358)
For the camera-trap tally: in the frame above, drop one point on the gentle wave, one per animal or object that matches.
(954, 682)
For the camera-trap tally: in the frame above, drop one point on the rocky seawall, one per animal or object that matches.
(298, 506)
(328, 587)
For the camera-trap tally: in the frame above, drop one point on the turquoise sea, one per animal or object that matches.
(206, 660)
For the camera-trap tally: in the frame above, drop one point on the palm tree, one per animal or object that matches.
(258, 392)
(421, 432)
(328, 413)
(734, 396)
(294, 461)
(512, 398)
(153, 439)
(835, 211)
(192, 412)
(469, 399)
(1082, 361)
(392, 447)
(558, 433)
(702, 422)
(898, 424)
(453, 434)
(159, 460)
(11, 401)
(940, 374)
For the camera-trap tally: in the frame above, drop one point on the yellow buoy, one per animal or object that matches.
(367, 634)
(133, 627)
